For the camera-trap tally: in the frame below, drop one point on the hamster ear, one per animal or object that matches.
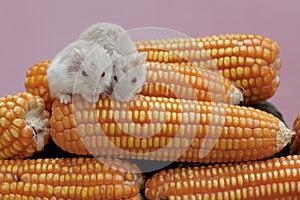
(73, 63)
(77, 62)
(142, 57)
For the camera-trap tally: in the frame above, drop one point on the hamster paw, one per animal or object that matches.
(65, 98)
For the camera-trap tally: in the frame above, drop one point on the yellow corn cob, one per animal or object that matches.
(167, 129)
(276, 178)
(165, 80)
(252, 62)
(24, 125)
(175, 81)
(37, 82)
(295, 144)
(69, 178)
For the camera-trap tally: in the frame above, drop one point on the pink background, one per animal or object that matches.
(32, 31)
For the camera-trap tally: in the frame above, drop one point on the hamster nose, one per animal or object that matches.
(109, 90)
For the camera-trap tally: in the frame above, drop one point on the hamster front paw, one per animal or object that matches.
(65, 98)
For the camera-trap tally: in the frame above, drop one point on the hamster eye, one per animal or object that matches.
(84, 73)
(103, 74)
(115, 78)
(134, 80)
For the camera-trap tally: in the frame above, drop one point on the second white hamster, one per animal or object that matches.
(114, 38)
(83, 68)
(130, 80)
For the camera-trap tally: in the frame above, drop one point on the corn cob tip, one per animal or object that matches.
(140, 180)
(236, 96)
(284, 135)
(38, 120)
(24, 125)
(250, 61)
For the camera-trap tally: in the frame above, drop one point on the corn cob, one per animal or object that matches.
(36, 82)
(162, 80)
(24, 125)
(295, 144)
(172, 80)
(277, 178)
(156, 128)
(69, 178)
(252, 62)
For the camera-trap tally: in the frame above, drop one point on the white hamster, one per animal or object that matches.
(82, 67)
(131, 81)
(114, 38)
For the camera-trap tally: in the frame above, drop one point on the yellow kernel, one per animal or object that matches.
(215, 184)
(228, 51)
(264, 176)
(247, 72)
(7, 136)
(227, 62)
(240, 180)
(233, 181)
(226, 73)
(26, 188)
(144, 143)
(298, 186)
(232, 194)
(214, 53)
(238, 194)
(221, 52)
(4, 123)
(209, 184)
(239, 71)
(280, 188)
(255, 71)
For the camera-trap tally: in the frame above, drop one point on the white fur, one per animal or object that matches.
(125, 89)
(66, 77)
(114, 38)
(110, 36)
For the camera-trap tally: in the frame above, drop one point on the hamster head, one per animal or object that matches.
(124, 63)
(130, 81)
(93, 77)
